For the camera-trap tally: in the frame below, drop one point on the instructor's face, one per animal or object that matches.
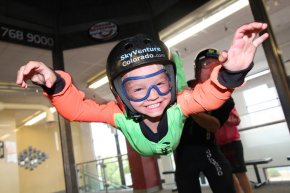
(207, 66)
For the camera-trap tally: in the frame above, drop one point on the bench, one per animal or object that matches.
(169, 172)
(201, 176)
(255, 164)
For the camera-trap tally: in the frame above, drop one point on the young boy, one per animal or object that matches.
(142, 78)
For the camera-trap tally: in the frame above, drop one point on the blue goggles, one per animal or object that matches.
(142, 92)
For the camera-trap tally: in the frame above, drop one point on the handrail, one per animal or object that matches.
(92, 176)
(86, 170)
(92, 161)
(108, 182)
(262, 125)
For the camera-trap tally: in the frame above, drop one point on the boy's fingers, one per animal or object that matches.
(23, 72)
(30, 66)
(255, 26)
(223, 56)
(48, 84)
(49, 78)
(260, 39)
(19, 79)
(24, 85)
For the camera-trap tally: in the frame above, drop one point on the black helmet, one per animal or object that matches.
(133, 52)
(207, 53)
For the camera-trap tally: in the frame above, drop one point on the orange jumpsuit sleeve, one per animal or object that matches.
(207, 96)
(72, 105)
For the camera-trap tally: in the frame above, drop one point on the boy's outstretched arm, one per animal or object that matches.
(244, 46)
(70, 102)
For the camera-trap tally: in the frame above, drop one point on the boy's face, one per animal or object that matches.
(207, 66)
(148, 89)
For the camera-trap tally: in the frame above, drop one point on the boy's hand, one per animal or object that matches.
(37, 72)
(244, 46)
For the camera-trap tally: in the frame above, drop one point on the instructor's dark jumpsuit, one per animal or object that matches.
(198, 152)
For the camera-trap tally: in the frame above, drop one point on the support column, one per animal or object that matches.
(144, 172)
(70, 175)
(274, 58)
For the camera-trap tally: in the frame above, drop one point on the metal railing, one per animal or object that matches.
(104, 175)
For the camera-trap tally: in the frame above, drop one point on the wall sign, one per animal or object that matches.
(22, 36)
(103, 30)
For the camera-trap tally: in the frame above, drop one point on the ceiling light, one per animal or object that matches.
(47, 114)
(36, 119)
(4, 136)
(99, 82)
(210, 20)
(257, 74)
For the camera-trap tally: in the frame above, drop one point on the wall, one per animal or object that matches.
(48, 176)
(269, 141)
(271, 114)
(82, 142)
(9, 183)
(266, 141)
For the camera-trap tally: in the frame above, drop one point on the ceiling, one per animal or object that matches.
(71, 19)
(86, 61)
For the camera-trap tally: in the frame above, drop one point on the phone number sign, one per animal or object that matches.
(21, 36)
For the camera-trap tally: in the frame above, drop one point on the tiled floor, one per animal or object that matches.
(273, 187)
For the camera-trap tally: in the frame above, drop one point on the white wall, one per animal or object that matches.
(269, 141)
(272, 140)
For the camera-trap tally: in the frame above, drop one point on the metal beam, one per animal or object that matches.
(274, 58)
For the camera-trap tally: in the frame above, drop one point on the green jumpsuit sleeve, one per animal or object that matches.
(180, 74)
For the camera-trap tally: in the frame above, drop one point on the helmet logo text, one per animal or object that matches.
(139, 51)
(141, 54)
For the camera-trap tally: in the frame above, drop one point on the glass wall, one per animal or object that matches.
(100, 150)
(30, 152)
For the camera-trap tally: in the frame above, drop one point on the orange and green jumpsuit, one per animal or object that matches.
(72, 105)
